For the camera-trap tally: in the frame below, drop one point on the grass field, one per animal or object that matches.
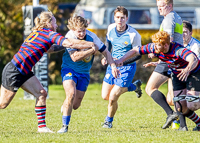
(137, 120)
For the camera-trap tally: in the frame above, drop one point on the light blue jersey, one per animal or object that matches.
(122, 43)
(194, 46)
(85, 65)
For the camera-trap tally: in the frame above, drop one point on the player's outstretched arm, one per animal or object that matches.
(132, 53)
(81, 54)
(115, 71)
(55, 48)
(192, 64)
(77, 44)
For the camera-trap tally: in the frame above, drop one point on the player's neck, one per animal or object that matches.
(122, 29)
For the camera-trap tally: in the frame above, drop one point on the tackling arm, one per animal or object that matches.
(55, 48)
(77, 44)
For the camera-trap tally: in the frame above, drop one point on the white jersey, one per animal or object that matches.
(194, 46)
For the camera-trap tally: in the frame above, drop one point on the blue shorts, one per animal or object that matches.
(81, 80)
(126, 77)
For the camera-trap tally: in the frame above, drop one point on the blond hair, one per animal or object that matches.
(77, 22)
(167, 2)
(42, 20)
(161, 37)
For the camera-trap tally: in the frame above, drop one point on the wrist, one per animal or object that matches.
(113, 66)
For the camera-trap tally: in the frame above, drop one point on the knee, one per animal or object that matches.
(43, 95)
(76, 106)
(170, 102)
(3, 106)
(148, 90)
(105, 97)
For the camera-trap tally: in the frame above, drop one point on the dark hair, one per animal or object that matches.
(187, 25)
(122, 10)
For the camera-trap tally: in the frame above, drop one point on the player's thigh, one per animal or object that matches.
(6, 97)
(34, 87)
(106, 89)
(155, 81)
(69, 87)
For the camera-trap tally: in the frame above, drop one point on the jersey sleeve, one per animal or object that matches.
(56, 38)
(182, 52)
(136, 41)
(146, 49)
(70, 35)
(99, 43)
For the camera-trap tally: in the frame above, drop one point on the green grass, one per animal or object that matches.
(137, 120)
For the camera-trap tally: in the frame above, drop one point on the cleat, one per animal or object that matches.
(44, 130)
(107, 124)
(138, 90)
(197, 128)
(170, 119)
(183, 128)
(175, 125)
(64, 129)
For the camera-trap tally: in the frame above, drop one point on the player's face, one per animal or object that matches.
(120, 20)
(80, 32)
(163, 8)
(161, 48)
(53, 24)
(186, 35)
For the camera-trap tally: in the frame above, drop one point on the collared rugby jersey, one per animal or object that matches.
(122, 42)
(175, 57)
(84, 65)
(33, 48)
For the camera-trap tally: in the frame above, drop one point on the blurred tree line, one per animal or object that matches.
(11, 30)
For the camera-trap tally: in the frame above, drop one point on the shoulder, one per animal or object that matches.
(111, 27)
(132, 31)
(70, 34)
(91, 34)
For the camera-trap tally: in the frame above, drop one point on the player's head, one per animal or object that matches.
(45, 20)
(187, 32)
(162, 41)
(164, 6)
(78, 25)
(121, 17)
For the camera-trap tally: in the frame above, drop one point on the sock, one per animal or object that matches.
(193, 116)
(160, 99)
(182, 120)
(66, 120)
(132, 87)
(109, 119)
(41, 112)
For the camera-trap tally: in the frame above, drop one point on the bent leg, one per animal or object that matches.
(70, 91)
(154, 82)
(34, 87)
(6, 97)
(106, 89)
(170, 94)
(114, 96)
(78, 99)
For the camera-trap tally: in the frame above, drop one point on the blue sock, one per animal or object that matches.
(109, 119)
(132, 87)
(66, 120)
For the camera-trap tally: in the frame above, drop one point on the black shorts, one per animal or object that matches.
(12, 79)
(192, 83)
(163, 69)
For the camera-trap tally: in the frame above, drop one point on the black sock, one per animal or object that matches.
(182, 120)
(160, 99)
